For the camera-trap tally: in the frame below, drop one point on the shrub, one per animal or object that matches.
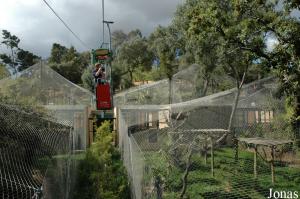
(101, 174)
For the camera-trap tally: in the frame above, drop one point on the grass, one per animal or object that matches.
(231, 180)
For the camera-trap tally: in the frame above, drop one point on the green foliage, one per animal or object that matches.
(6, 59)
(163, 44)
(88, 79)
(26, 59)
(13, 93)
(18, 59)
(57, 52)
(118, 37)
(101, 174)
(3, 71)
(69, 63)
(119, 77)
(133, 55)
(11, 41)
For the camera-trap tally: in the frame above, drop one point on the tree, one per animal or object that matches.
(12, 43)
(291, 4)
(120, 78)
(163, 44)
(132, 59)
(133, 55)
(200, 51)
(18, 59)
(134, 34)
(285, 58)
(227, 34)
(88, 79)
(57, 52)
(68, 62)
(26, 59)
(118, 37)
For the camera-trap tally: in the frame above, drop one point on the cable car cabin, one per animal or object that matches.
(103, 89)
(103, 96)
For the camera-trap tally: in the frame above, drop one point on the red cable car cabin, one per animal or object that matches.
(103, 96)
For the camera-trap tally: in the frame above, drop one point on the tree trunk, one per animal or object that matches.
(157, 184)
(297, 121)
(13, 60)
(236, 100)
(205, 87)
(239, 85)
(170, 102)
(131, 76)
(170, 91)
(186, 172)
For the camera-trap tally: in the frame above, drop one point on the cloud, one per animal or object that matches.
(38, 28)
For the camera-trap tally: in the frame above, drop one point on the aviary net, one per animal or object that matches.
(191, 148)
(43, 121)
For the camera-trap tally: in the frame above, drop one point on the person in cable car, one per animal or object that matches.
(99, 73)
(102, 88)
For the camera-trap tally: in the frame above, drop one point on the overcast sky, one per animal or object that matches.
(38, 28)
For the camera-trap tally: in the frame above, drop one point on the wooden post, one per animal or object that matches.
(236, 141)
(86, 126)
(212, 157)
(91, 131)
(272, 165)
(255, 161)
(116, 126)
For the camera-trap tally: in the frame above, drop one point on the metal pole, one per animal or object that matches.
(109, 36)
(110, 81)
(212, 157)
(111, 86)
(110, 49)
(102, 21)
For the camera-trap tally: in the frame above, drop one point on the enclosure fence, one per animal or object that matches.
(191, 148)
(43, 120)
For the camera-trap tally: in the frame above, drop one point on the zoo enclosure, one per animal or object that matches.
(185, 148)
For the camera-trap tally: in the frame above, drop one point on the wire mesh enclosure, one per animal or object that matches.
(43, 120)
(178, 144)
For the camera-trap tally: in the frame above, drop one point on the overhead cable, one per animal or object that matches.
(66, 25)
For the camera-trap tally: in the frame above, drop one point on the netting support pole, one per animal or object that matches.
(41, 85)
(272, 165)
(255, 162)
(212, 157)
(205, 152)
(236, 146)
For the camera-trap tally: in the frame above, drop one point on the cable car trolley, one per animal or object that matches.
(103, 88)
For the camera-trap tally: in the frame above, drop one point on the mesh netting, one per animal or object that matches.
(184, 86)
(187, 148)
(43, 124)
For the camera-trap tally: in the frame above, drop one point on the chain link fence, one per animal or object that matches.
(189, 149)
(43, 124)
